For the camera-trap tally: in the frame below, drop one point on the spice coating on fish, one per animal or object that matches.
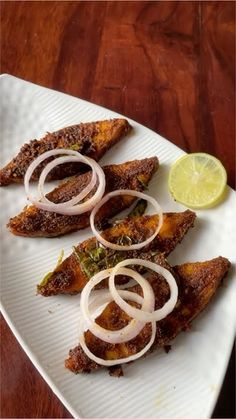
(73, 273)
(197, 283)
(35, 222)
(91, 139)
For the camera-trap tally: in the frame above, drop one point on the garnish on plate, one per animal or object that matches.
(197, 180)
(197, 284)
(35, 222)
(71, 275)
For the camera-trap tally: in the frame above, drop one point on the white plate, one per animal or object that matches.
(183, 384)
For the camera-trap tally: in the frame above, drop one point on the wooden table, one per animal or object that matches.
(167, 65)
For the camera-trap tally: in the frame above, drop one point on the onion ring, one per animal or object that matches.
(134, 327)
(108, 363)
(132, 193)
(66, 207)
(76, 199)
(140, 314)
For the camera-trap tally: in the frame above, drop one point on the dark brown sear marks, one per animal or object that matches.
(72, 274)
(34, 222)
(197, 283)
(91, 139)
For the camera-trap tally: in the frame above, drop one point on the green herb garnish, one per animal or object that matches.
(94, 260)
(143, 184)
(45, 280)
(60, 258)
(75, 147)
(77, 254)
(97, 254)
(47, 277)
(139, 209)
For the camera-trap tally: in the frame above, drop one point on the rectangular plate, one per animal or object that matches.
(186, 382)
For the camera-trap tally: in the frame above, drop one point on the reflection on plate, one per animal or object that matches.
(162, 385)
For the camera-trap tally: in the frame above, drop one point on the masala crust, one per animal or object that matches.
(197, 283)
(92, 139)
(35, 222)
(71, 275)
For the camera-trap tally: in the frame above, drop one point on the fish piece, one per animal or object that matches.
(197, 283)
(88, 258)
(35, 222)
(92, 139)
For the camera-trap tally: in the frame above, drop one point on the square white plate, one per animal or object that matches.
(182, 384)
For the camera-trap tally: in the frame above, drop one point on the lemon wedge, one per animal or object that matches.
(197, 180)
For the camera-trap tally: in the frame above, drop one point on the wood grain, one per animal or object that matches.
(24, 393)
(168, 65)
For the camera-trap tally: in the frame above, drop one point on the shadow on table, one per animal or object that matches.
(225, 406)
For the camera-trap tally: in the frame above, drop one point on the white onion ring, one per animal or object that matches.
(40, 159)
(109, 363)
(134, 327)
(76, 199)
(132, 193)
(65, 207)
(140, 314)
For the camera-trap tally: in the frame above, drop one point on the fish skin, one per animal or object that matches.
(91, 139)
(197, 284)
(70, 278)
(35, 222)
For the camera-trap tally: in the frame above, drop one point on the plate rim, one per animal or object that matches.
(37, 364)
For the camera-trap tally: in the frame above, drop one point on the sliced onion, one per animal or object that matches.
(108, 363)
(76, 199)
(66, 208)
(134, 327)
(132, 193)
(39, 160)
(140, 314)
(83, 207)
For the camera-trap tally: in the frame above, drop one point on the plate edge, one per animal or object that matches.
(35, 363)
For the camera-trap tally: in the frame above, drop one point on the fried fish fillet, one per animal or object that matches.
(34, 222)
(197, 283)
(92, 139)
(74, 272)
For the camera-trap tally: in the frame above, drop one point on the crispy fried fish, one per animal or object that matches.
(34, 222)
(92, 139)
(197, 283)
(88, 258)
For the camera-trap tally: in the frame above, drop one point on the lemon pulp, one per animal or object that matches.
(197, 180)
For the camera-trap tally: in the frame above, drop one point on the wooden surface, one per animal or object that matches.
(167, 65)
